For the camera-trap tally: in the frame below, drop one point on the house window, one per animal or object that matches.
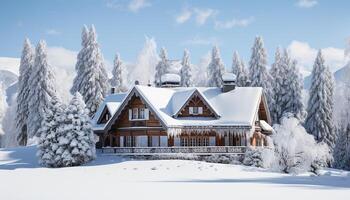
(196, 110)
(135, 113)
(138, 114)
(141, 113)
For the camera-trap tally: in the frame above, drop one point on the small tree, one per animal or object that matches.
(239, 69)
(117, 79)
(216, 69)
(296, 150)
(162, 66)
(341, 152)
(186, 71)
(48, 143)
(76, 144)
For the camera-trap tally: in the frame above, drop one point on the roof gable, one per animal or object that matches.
(194, 93)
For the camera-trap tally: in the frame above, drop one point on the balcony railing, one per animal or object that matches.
(202, 150)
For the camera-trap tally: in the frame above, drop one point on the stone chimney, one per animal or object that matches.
(112, 90)
(228, 82)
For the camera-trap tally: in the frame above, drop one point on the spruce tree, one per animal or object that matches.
(25, 70)
(216, 69)
(341, 152)
(277, 75)
(259, 76)
(92, 79)
(76, 144)
(319, 120)
(186, 71)
(48, 143)
(42, 89)
(162, 66)
(239, 69)
(117, 79)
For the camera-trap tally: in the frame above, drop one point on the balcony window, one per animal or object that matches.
(138, 114)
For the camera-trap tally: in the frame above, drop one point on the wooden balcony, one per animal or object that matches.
(198, 150)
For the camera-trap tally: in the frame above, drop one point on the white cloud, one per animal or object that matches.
(184, 16)
(52, 32)
(10, 64)
(347, 50)
(202, 15)
(136, 5)
(233, 23)
(307, 3)
(201, 41)
(305, 55)
(131, 5)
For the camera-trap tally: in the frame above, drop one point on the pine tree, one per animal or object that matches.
(82, 60)
(117, 79)
(92, 79)
(42, 89)
(48, 143)
(239, 69)
(259, 76)
(76, 144)
(319, 120)
(162, 66)
(186, 71)
(216, 69)
(25, 70)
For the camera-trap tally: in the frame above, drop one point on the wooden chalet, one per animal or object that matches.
(171, 119)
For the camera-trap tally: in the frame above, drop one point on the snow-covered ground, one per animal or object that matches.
(112, 177)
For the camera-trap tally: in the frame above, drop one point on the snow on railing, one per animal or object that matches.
(172, 150)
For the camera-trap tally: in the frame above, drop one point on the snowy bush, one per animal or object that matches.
(296, 150)
(259, 157)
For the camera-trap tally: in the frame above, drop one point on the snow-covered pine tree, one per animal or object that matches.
(341, 154)
(76, 144)
(162, 66)
(278, 75)
(186, 71)
(216, 69)
(330, 84)
(319, 120)
(295, 105)
(258, 74)
(48, 143)
(117, 79)
(94, 79)
(42, 89)
(239, 69)
(82, 60)
(25, 69)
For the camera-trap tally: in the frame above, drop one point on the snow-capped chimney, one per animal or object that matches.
(228, 82)
(112, 90)
(170, 80)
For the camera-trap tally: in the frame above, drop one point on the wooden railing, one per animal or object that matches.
(202, 150)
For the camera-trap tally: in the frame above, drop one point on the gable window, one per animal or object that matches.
(138, 114)
(196, 110)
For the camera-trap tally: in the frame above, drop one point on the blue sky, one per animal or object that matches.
(196, 25)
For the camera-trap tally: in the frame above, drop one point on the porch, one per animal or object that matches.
(196, 150)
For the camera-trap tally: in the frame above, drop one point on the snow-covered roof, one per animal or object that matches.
(265, 126)
(229, 77)
(170, 78)
(112, 103)
(234, 108)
